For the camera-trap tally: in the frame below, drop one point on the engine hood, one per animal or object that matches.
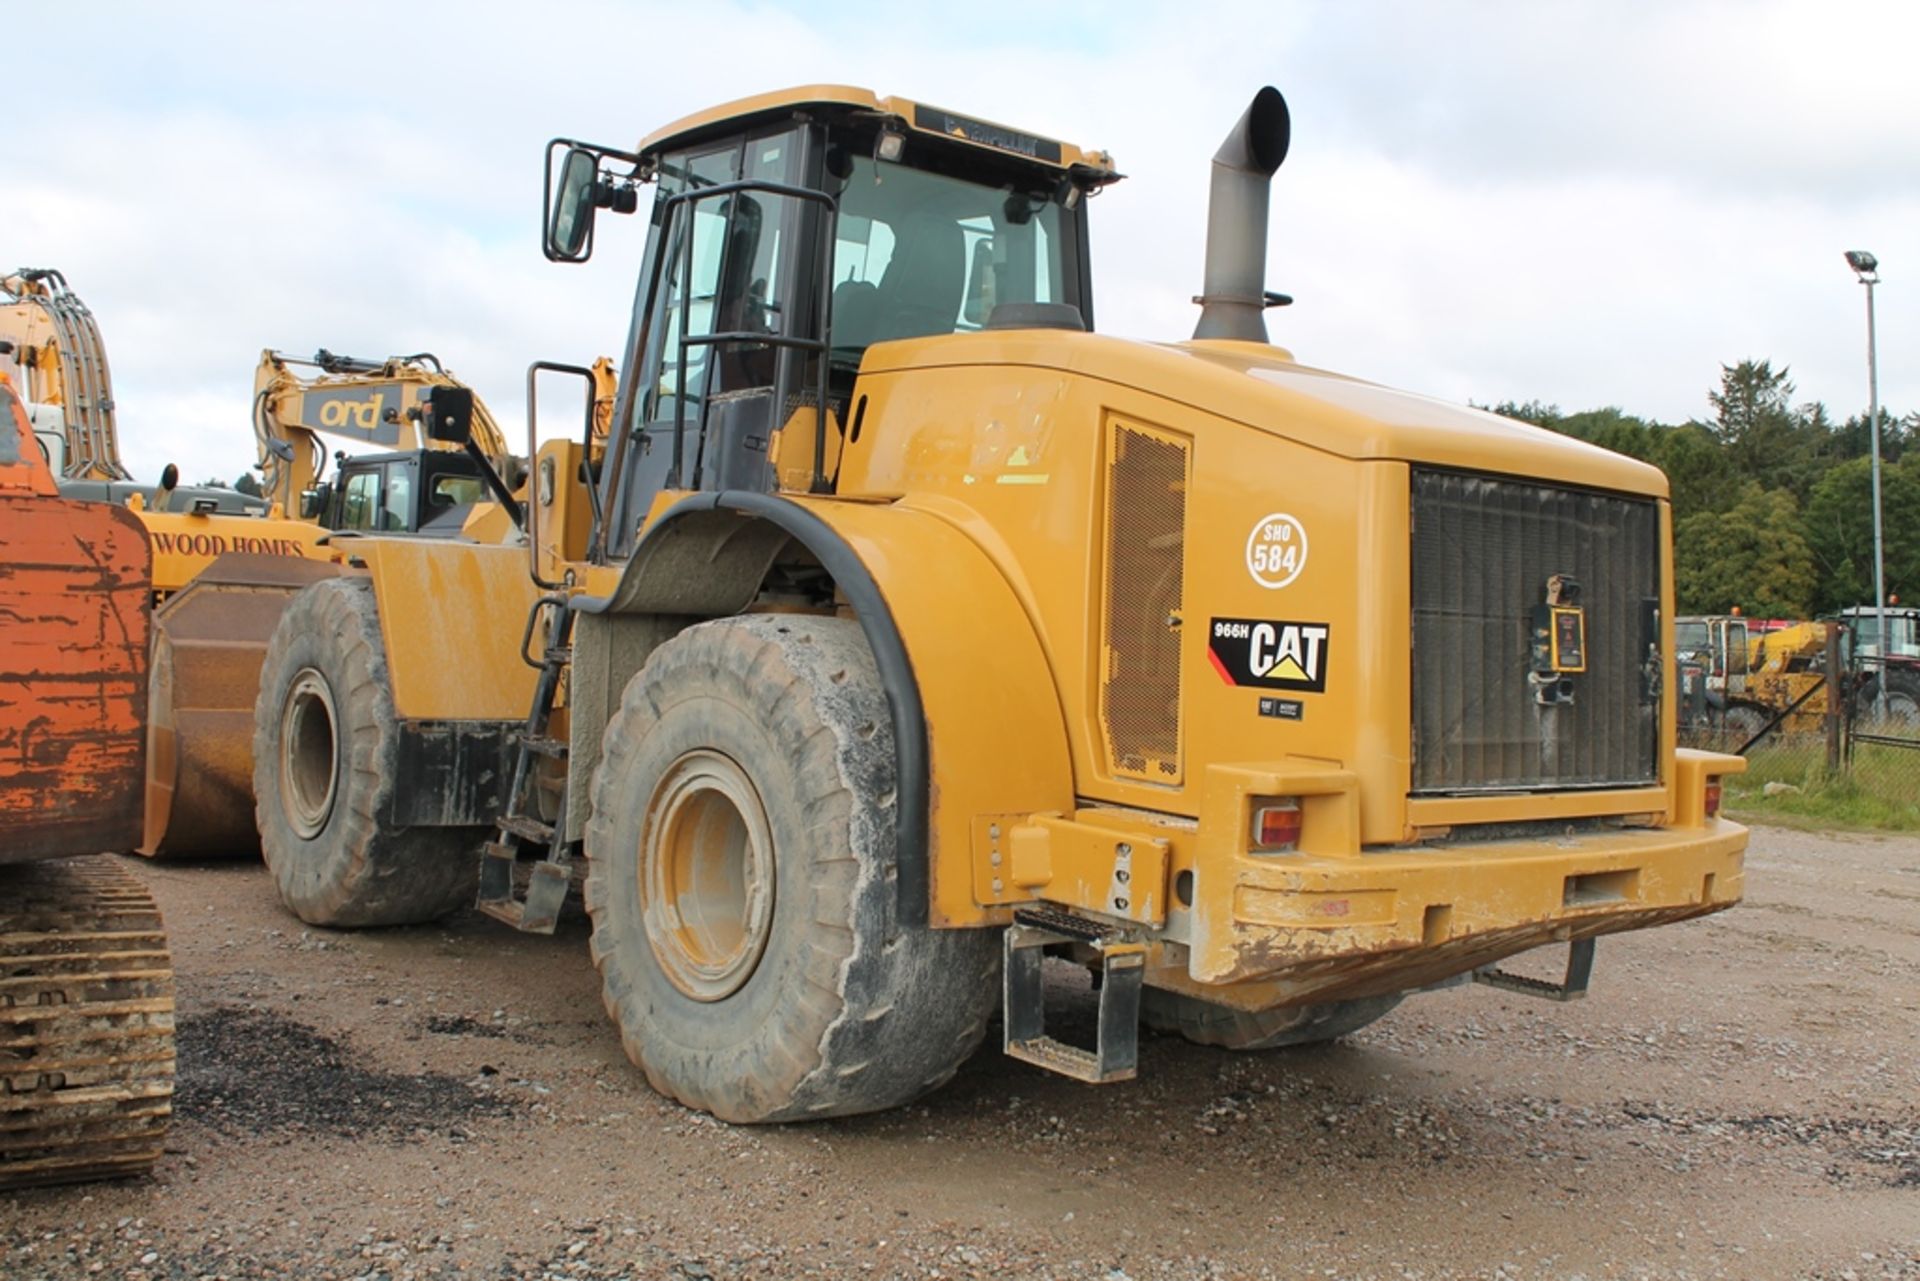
(1264, 388)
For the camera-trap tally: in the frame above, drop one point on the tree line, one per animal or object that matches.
(1772, 500)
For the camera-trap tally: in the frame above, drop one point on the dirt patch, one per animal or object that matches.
(1889, 1150)
(1734, 1101)
(254, 1072)
(462, 1025)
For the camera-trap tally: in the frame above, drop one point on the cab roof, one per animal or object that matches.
(917, 116)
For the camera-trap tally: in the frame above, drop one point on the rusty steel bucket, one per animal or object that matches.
(74, 591)
(210, 638)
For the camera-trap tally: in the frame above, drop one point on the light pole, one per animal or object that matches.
(1867, 267)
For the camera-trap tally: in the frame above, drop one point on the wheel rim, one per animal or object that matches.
(706, 876)
(309, 753)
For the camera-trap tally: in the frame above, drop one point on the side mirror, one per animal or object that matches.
(314, 501)
(447, 414)
(570, 229)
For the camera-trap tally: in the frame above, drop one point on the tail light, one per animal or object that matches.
(1276, 826)
(1713, 796)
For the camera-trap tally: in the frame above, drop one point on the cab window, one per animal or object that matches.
(918, 253)
(456, 491)
(360, 501)
(397, 505)
(731, 281)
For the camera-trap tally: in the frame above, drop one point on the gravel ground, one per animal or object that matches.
(1738, 1098)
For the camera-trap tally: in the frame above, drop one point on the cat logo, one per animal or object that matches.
(1269, 654)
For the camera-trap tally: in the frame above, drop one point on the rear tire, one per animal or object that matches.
(1743, 721)
(325, 757)
(743, 887)
(1902, 704)
(1205, 1023)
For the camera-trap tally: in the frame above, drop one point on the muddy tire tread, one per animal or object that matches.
(883, 1012)
(369, 873)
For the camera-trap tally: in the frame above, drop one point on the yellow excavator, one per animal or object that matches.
(59, 363)
(410, 484)
(907, 630)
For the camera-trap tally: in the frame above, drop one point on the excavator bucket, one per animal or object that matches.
(210, 639)
(75, 585)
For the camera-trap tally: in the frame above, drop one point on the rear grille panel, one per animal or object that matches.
(1483, 549)
(1144, 594)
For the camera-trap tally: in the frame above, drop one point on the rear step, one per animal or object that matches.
(1116, 1052)
(1570, 988)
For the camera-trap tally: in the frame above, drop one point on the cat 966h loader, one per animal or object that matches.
(86, 985)
(904, 630)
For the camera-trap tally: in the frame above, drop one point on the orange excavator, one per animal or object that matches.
(86, 982)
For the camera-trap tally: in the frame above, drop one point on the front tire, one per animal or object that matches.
(325, 765)
(743, 888)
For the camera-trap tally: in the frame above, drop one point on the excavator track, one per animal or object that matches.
(86, 1023)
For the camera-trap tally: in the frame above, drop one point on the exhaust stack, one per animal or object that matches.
(1235, 298)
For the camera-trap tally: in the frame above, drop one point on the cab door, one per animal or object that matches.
(701, 414)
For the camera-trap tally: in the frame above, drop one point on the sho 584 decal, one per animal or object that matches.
(1276, 550)
(1265, 653)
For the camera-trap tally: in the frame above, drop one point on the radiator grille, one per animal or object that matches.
(1146, 552)
(1483, 549)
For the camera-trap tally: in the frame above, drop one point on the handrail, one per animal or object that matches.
(533, 458)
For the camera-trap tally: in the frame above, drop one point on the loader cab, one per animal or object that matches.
(420, 491)
(788, 236)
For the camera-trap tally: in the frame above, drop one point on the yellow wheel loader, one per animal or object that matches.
(86, 984)
(903, 630)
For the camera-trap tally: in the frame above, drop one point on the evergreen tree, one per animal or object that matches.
(1751, 555)
(1699, 473)
(1839, 529)
(1766, 439)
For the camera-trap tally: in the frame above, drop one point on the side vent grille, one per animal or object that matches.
(1144, 596)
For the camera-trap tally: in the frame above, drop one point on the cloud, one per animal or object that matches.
(1582, 203)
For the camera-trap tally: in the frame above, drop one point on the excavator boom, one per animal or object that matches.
(377, 403)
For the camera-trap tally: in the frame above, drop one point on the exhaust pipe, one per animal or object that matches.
(1235, 299)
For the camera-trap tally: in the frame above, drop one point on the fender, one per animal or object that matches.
(976, 718)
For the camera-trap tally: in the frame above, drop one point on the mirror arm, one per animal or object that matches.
(497, 485)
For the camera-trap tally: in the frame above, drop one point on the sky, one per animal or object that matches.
(1584, 204)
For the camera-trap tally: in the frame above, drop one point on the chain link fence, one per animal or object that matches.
(1882, 730)
(1854, 717)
